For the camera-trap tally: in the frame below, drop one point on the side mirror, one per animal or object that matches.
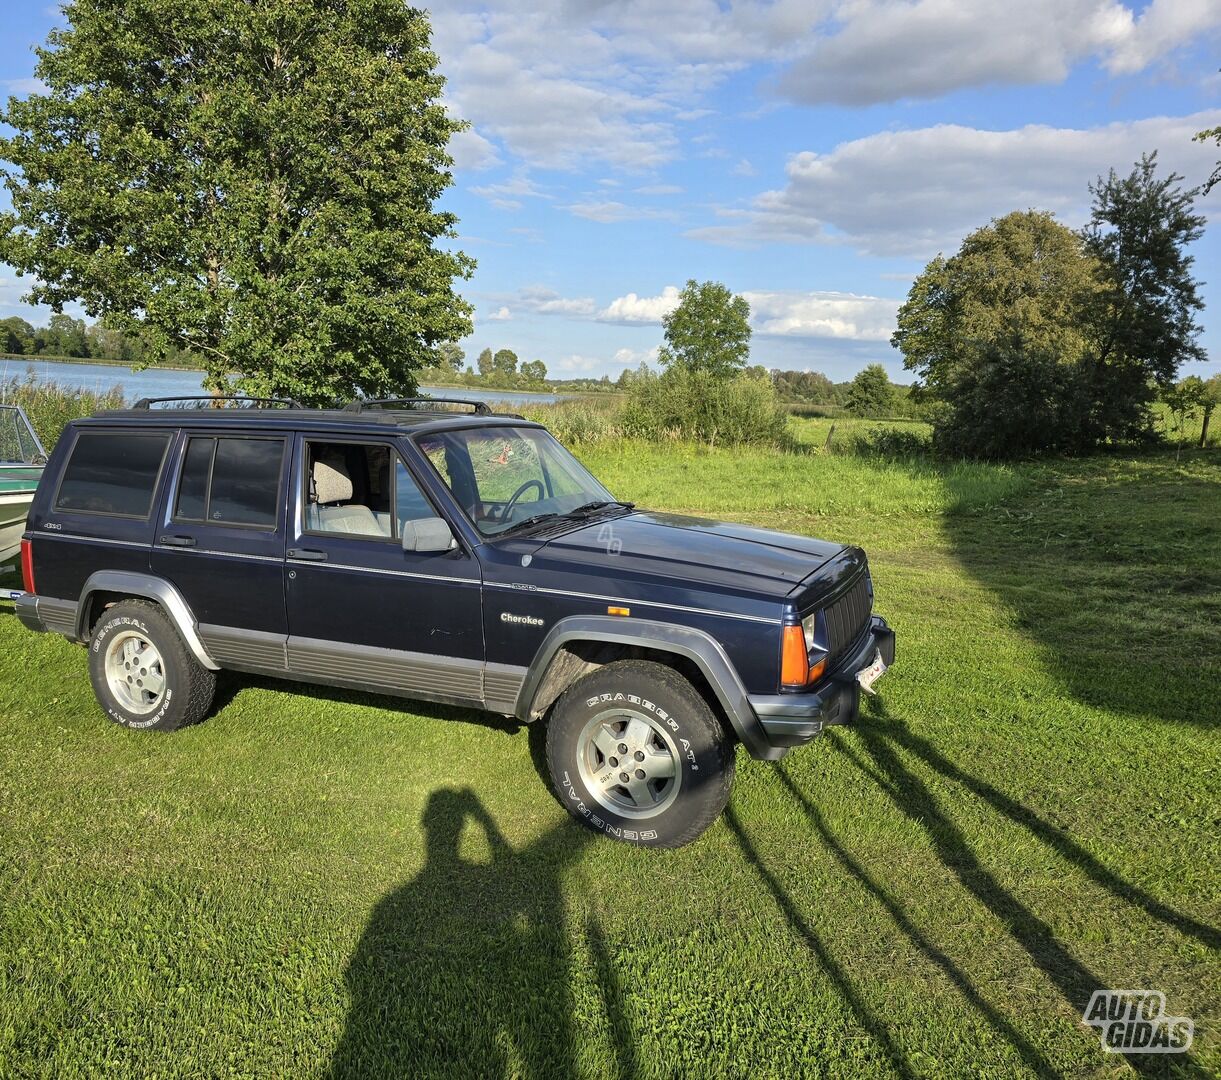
(428, 534)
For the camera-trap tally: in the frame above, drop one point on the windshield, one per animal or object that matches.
(505, 476)
(18, 443)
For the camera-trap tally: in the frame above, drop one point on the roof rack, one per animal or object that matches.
(480, 408)
(148, 403)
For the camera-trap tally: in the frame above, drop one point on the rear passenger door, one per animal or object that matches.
(221, 542)
(362, 611)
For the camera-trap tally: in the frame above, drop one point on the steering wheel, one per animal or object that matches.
(509, 506)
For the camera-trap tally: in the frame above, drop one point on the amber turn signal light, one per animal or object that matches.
(794, 660)
(612, 610)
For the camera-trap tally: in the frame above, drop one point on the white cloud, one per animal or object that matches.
(472, 152)
(823, 315)
(611, 211)
(883, 51)
(659, 189)
(576, 364)
(501, 314)
(640, 309)
(744, 168)
(577, 84)
(507, 194)
(636, 357)
(544, 301)
(917, 192)
(1163, 26)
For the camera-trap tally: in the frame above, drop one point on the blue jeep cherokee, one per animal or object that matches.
(465, 558)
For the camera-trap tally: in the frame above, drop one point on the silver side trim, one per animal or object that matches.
(231, 646)
(49, 534)
(219, 554)
(313, 564)
(58, 616)
(628, 602)
(151, 588)
(372, 668)
(501, 685)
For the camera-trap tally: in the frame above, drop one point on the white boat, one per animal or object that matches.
(21, 462)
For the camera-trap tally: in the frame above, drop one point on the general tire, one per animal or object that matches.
(186, 686)
(595, 718)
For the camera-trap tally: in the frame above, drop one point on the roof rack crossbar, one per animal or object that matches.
(148, 403)
(481, 407)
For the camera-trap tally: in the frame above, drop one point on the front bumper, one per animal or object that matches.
(790, 720)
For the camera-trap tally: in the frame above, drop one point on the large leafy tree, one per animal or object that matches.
(1143, 323)
(254, 182)
(870, 393)
(709, 331)
(997, 333)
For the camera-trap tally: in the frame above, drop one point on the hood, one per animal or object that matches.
(693, 551)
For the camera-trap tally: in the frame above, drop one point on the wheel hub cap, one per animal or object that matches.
(135, 673)
(629, 763)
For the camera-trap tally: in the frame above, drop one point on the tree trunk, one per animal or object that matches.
(1204, 428)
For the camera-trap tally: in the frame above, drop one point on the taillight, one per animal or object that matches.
(794, 659)
(27, 566)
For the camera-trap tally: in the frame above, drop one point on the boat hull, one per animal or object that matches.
(14, 507)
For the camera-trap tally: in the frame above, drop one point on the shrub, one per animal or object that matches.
(891, 443)
(696, 405)
(50, 406)
(580, 420)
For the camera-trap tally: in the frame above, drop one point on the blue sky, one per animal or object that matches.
(811, 154)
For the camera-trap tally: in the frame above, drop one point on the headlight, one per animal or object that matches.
(808, 625)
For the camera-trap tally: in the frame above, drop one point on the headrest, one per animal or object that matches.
(332, 483)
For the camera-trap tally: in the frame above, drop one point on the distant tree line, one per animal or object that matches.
(65, 336)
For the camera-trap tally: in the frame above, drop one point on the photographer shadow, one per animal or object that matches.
(465, 970)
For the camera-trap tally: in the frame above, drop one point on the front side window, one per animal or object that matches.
(230, 482)
(113, 472)
(502, 476)
(360, 489)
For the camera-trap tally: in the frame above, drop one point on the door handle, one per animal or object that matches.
(307, 554)
(178, 541)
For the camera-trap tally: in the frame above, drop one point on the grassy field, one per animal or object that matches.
(316, 882)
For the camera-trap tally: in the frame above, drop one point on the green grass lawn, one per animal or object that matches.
(318, 882)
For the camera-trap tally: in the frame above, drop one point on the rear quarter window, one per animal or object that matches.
(112, 472)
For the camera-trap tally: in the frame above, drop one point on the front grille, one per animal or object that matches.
(845, 617)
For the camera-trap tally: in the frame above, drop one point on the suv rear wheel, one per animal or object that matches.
(635, 752)
(142, 672)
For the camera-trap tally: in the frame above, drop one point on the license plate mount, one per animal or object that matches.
(871, 673)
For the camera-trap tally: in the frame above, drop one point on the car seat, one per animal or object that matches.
(329, 508)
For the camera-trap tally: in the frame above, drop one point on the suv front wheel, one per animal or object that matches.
(142, 672)
(635, 752)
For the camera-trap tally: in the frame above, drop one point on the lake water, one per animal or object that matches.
(163, 382)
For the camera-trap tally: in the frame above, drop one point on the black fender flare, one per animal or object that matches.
(148, 587)
(699, 647)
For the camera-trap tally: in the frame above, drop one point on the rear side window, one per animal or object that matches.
(112, 472)
(230, 482)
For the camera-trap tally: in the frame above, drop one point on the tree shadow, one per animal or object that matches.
(1029, 1054)
(864, 1017)
(1064, 846)
(1111, 565)
(465, 970)
(1074, 980)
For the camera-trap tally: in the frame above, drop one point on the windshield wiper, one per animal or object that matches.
(585, 509)
(525, 523)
